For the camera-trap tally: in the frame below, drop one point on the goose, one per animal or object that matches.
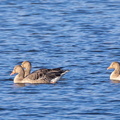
(115, 75)
(39, 76)
(27, 68)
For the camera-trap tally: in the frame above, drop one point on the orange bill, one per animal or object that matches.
(12, 73)
(109, 68)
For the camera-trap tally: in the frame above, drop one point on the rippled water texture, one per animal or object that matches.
(80, 35)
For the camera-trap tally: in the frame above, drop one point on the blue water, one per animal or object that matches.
(80, 35)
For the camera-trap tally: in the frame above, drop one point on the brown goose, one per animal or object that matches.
(27, 68)
(115, 75)
(39, 76)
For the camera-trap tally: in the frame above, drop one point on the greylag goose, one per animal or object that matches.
(115, 75)
(39, 76)
(27, 68)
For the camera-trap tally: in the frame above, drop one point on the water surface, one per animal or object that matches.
(82, 36)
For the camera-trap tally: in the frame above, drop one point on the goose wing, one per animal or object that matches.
(47, 74)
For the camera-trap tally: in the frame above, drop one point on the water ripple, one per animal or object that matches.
(82, 36)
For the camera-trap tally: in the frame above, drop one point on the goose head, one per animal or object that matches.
(17, 69)
(26, 64)
(114, 65)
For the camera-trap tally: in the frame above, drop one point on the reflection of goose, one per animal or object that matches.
(115, 75)
(20, 85)
(17, 85)
(39, 76)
